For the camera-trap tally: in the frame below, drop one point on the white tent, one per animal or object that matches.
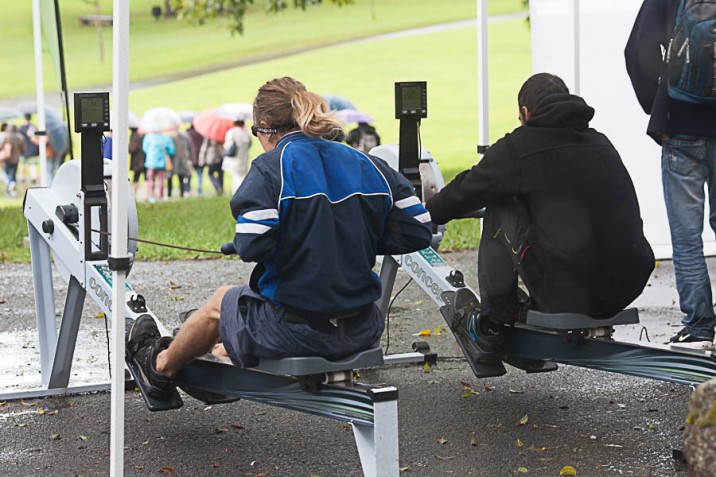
(590, 58)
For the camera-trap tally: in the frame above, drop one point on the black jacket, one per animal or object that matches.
(651, 33)
(586, 232)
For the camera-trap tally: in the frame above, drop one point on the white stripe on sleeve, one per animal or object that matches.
(263, 214)
(405, 203)
(423, 218)
(247, 228)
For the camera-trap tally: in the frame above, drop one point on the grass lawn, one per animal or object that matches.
(449, 132)
(165, 47)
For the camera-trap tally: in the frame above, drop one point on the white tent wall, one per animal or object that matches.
(604, 27)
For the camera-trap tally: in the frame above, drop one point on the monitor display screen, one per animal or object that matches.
(92, 110)
(411, 98)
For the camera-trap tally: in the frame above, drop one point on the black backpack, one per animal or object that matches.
(691, 54)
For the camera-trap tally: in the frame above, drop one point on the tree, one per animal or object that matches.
(200, 11)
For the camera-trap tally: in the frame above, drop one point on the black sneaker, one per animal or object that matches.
(487, 335)
(686, 339)
(144, 342)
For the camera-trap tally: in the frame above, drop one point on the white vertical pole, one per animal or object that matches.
(576, 37)
(39, 89)
(118, 210)
(483, 138)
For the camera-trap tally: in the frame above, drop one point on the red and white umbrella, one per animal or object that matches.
(209, 124)
(159, 120)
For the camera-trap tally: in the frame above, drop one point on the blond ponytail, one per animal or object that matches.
(285, 104)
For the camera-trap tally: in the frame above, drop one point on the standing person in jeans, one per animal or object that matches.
(561, 214)
(136, 159)
(182, 163)
(196, 142)
(313, 214)
(211, 153)
(686, 133)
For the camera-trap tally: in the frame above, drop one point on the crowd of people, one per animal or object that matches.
(19, 156)
(165, 165)
(185, 154)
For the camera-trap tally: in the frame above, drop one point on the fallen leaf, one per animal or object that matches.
(221, 430)
(404, 469)
(497, 426)
(473, 441)
(424, 333)
(442, 441)
(167, 471)
(84, 438)
(54, 412)
(489, 388)
(524, 420)
(145, 443)
(518, 442)
(55, 437)
(567, 470)
(426, 368)
(176, 298)
(173, 285)
(139, 467)
(439, 330)
(41, 411)
(100, 315)
(536, 448)
(522, 470)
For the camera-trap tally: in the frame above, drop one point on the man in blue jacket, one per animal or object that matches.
(687, 135)
(313, 214)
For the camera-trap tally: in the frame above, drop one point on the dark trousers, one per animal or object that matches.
(503, 257)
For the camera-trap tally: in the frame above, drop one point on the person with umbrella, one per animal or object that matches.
(13, 143)
(236, 153)
(136, 157)
(307, 210)
(158, 152)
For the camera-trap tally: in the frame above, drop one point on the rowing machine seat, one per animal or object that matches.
(575, 321)
(307, 365)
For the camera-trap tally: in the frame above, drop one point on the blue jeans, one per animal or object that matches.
(688, 163)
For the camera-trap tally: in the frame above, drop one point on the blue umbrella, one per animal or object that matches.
(337, 103)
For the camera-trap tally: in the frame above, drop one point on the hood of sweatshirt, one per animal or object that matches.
(561, 111)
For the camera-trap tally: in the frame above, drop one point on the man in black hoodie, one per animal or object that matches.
(687, 135)
(561, 214)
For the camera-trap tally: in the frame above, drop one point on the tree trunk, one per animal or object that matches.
(98, 27)
(168, 11)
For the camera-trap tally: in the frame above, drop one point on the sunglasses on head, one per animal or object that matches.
(255, 130)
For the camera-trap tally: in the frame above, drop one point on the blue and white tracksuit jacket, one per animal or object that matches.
(314, 214)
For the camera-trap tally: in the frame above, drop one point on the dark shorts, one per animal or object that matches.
(251, 328)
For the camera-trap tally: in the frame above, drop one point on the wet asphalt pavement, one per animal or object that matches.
(450, 422)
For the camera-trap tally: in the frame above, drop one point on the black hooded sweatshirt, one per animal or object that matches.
(587, 251)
